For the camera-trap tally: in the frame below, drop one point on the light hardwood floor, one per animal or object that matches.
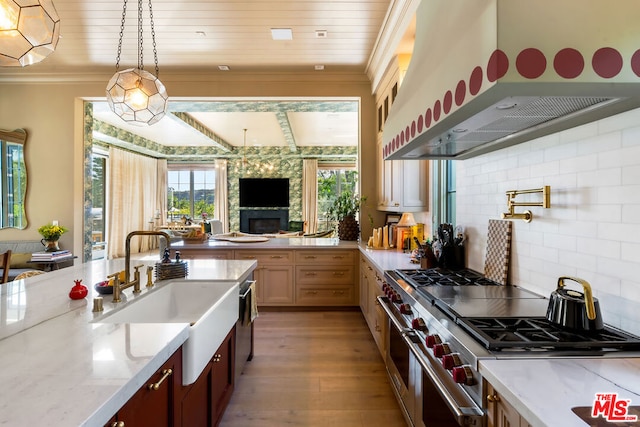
(313, 369)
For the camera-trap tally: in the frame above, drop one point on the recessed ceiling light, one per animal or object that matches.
(223, 67)
(318, 67)
(321, 34)
(201, 33)
(281, 34)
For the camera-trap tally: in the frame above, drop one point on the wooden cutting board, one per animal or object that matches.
(496, 264)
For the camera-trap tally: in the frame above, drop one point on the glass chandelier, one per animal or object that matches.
(137, 96)
(29, 31)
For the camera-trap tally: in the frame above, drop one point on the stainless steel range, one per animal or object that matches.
(442, 322)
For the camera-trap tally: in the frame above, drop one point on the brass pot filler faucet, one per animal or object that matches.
(526, 215)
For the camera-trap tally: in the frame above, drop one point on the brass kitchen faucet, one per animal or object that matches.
(526, 215)
(119, 287)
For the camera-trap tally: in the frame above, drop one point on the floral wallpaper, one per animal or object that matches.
(261, 162)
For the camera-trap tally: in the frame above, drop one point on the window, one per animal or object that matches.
(444, 192)
(190, 191)
(14, 185)
(332, 181)
(98, 205)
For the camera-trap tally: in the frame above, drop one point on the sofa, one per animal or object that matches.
(21, 251)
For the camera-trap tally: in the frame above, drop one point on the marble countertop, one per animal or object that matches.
(60, 367)
(544, 391)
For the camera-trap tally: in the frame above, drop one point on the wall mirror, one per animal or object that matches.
(13, 172)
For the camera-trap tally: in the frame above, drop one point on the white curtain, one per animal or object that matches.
(310, 195)
(134, 189)
(221, 208)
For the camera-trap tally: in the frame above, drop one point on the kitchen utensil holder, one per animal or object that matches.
(171, 270)
(527, 216)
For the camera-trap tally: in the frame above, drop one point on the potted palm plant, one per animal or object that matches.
(344, 209)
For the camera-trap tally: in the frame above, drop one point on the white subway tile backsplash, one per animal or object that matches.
(599, 143)
(599, 247)
(592, 229)
(544, 169)
(631, 136)
(628, 119)
(600, 213)
(631, 175)
(619, 232)
(600, 177)
(563, 151)
(630, 213)
(630, 251)
(581, 262)
(560, 241)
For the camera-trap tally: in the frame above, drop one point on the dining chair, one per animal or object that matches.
(5, 263)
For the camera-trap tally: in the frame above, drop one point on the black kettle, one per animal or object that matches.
(573, 309)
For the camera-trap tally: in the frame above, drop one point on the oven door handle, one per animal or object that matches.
(251, 282)
(461, 414)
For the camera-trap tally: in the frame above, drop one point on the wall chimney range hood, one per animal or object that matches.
(486, 75)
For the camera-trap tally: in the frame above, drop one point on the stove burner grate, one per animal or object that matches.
(538, 333)
(444, 277)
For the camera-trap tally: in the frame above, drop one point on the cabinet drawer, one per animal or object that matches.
(206, 254)
(266, 257)
(336, 295)
(325, 275)
(325, 257)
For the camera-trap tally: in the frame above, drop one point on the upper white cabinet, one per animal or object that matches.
(403, 185)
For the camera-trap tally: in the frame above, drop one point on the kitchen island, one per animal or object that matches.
(59, 368)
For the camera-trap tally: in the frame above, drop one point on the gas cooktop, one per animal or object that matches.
(506, 318)
(538, 334)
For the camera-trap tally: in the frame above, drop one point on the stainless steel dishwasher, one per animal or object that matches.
(244, 327)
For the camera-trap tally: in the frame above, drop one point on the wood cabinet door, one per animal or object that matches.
(195, 409)
(276, 283)
(222, 377)
(153, 403)
(499, 412)
(415, 184)
(364, 287)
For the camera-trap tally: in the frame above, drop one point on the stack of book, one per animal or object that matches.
(43, 256)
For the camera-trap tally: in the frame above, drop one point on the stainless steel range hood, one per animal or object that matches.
(486, 75)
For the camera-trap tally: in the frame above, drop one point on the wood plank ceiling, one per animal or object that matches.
(201, 35)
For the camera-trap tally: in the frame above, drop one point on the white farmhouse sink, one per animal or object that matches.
(210, 307)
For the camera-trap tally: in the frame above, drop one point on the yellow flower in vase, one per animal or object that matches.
(51, 232)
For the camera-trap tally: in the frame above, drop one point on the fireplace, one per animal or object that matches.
(258, 221)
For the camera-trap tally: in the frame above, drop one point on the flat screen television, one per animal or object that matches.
(264, 192)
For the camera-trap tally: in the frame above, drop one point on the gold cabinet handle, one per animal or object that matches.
(310, 273)
(338, 257)
(338, 273)
(338, 292)
(312, 292)
(165, 374)
(217, 357)
(276, 256)
(310, 257)
(117, 424)
(493, 398)
(248, 257)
